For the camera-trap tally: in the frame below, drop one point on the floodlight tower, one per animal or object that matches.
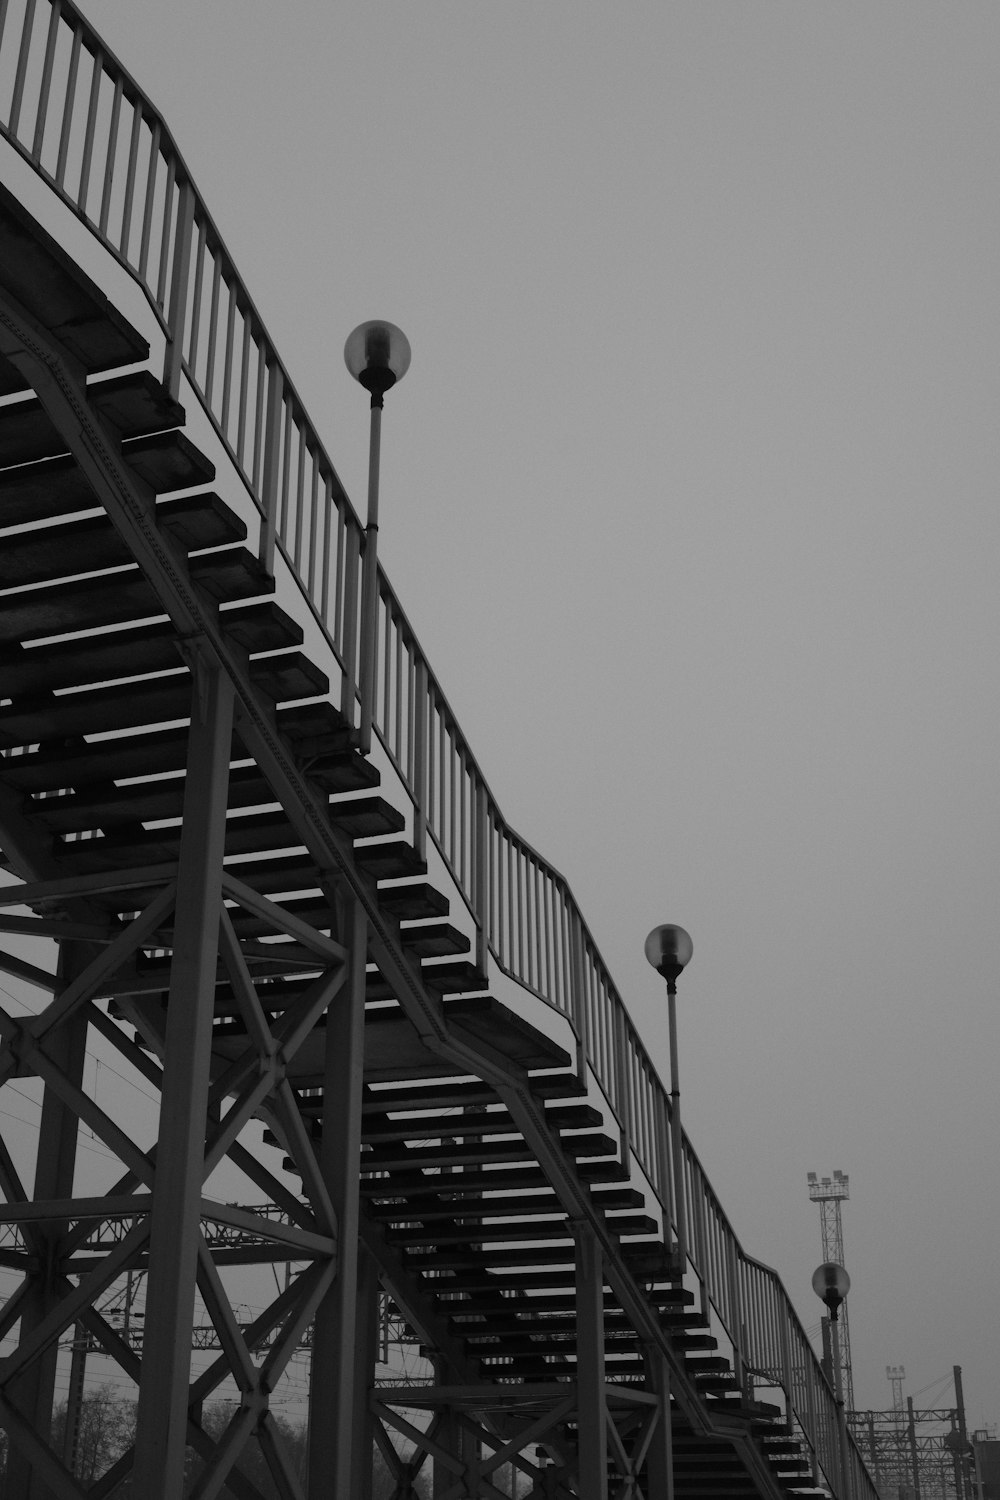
(895, 1374)
(829, 1194)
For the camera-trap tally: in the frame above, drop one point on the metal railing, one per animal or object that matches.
(76, 115)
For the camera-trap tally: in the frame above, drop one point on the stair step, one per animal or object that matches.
(92, 544)
(93, 603)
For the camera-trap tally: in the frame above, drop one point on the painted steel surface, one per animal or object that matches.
(103, 148)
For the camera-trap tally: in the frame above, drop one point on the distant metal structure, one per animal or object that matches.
(914, 1453)
(829, 1193)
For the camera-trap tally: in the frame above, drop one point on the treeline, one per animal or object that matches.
(105, 1429)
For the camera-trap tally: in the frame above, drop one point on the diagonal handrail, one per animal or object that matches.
(76, 115)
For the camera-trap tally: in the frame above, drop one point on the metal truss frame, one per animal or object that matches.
(66, 1255)
(473, 1435)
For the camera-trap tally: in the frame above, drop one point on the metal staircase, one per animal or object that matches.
(267, 925)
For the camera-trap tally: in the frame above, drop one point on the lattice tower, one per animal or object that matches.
(895, 1374)
(829, 1193)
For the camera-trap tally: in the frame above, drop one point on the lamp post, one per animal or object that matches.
(831, 1284)
(377, 354)
(669, 950)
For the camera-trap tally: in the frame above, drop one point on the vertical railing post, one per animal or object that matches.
(738, 1327)
(676, 1131)
(349, 647)
(177, 306)
(623, 1082)
(786, 1364)
(579, 1009)
(272, 463)
(666, 1186)
(369, 584)
(809, 1381)
(699, 1207)
(481, 826)
(419, 771)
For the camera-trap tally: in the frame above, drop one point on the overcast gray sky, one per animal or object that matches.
(690, 496)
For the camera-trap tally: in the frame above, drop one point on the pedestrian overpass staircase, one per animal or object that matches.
(213, 876)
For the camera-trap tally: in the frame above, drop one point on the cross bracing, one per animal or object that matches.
(267, 926)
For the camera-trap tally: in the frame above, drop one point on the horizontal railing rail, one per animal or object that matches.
(70, 108)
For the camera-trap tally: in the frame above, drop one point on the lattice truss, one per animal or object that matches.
(492, 1446)
(69, 1250)
(925, 1456)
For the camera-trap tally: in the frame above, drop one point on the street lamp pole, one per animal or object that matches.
(669, 950)
(377, 354)
(831, 1284)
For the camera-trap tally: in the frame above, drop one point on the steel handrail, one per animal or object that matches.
(73, 111)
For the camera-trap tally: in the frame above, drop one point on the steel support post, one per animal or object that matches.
(677, 1133)
(911, 1433)
(74, 1398)
(369, 585)
(592, 1416)
(455, 1439)
(333, 1404)
(175, 1216)
(660, 1456)
(364, 1375)
(55, 1167)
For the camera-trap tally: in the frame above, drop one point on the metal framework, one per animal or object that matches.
(829, 1194)
(915, 1452)
(206, 882)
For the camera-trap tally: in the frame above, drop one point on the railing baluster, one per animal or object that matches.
(245, 407)
(69, 101)
(109, 159)
(147, 208)
(258, 412)
(27, 26)
(272, 444)
(352, 567)
(196, 296)
(163, 265)
(328, 543)
(227, 366)
(177, 307)
(386, 675)
(482, 877)
(213, 328)
(45, 87)
(314, 522)
(398, 679)
(130, 171)
(420, 758)
(300, 490)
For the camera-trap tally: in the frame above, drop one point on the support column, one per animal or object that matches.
(364, 1376)
(176, 1217)
(660, 1457)
(55, 1167)
(591, 1397)
(460, 1444)
(333, 1435)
